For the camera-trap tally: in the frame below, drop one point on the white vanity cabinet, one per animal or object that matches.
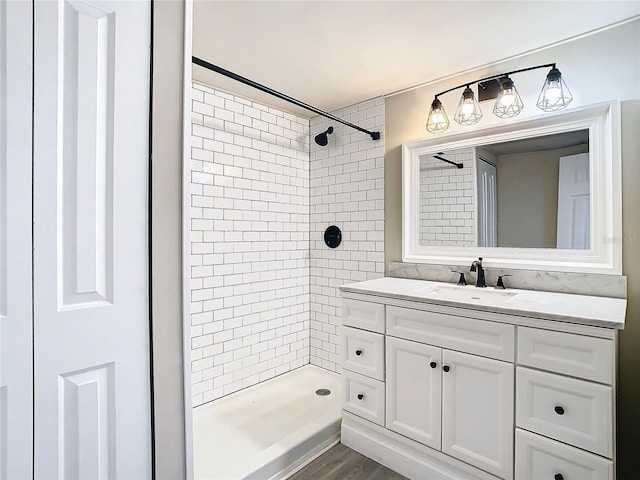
(459, 403)
(440, 390)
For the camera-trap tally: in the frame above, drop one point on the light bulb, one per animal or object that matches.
(553, 91)
(467, 108)
(437, 117)
(508, 98)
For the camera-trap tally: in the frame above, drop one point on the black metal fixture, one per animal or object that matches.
(332, 237)
(442, 159)
(321, 139)
(555, 95)
(282, 96)
(461, 280)
(500, 282)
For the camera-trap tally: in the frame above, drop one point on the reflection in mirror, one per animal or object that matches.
(527, 193)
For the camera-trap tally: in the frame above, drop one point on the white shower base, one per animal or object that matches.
(269, 430)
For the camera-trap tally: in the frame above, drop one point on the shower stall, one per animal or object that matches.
(263, 286)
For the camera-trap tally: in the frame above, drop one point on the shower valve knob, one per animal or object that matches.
(358, 352)
(360, 396)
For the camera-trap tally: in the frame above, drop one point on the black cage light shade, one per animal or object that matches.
(468, 111)
(509, 103)
(438, 121)
(555, 94)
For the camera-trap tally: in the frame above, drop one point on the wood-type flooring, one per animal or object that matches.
(342, 463)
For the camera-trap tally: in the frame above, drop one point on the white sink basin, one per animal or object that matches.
(468, 294)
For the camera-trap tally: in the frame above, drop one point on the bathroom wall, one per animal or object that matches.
(249, 243)
(347, 190)
(447, 210)
(528, 197)
(597, 68)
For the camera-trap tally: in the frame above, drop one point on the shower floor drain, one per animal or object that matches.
(323, 392)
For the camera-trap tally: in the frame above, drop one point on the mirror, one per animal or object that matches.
(527, 193)
(538, 194)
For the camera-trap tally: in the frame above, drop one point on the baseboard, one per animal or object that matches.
(308, 458)
(409, 458)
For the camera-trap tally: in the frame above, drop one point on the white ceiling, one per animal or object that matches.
(331, 54)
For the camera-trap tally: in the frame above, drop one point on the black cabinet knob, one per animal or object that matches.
(445, 368)
(560, 411)
(358, 352)
(558, 476)
(360, 396)
(433, 364)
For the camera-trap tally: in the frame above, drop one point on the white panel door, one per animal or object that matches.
(487, 204)
(16, 427)
(414, 390)
(477, 411)
(574, 202)
(91, 313)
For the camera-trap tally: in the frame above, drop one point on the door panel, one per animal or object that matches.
(477, 411)
(16, 427)
(574, 202)
(487, 204)
(92, 409)
(414, 390)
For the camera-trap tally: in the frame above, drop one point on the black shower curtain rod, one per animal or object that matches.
(282, 96)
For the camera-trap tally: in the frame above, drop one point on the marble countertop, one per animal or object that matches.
(582, 309)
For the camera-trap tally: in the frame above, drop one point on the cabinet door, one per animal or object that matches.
(414, 390)
(477, 411)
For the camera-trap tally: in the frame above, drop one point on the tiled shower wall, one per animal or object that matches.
(447, 209)
(250, 296)
(347, 190)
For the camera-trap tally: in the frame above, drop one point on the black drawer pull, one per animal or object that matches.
(358, 352)
(560, 411)
(360, 396)
(445, 368)
(433, 364)
(558, 476)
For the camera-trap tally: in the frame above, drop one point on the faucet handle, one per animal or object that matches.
(461, 280)
(500, 283)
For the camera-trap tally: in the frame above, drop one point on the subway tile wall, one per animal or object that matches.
(250, 296)
(447, 209)
(347, 190)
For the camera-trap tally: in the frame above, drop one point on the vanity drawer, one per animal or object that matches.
(569, 410)
(541, 458)
(363, 396)
(363, 352)
(367, 315)
(575, 355)
(489, 339)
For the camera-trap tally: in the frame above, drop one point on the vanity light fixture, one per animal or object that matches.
(555, 95)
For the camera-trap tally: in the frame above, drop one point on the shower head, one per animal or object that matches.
(321, 138)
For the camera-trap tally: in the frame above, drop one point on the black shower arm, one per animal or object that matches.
(282, 96)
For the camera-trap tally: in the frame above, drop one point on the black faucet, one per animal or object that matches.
(477, 266)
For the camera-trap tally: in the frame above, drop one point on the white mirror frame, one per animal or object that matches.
(605, 255)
